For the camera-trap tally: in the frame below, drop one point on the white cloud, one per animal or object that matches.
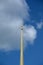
(12, 16)
(13, 9)
(30, 33)
(40, 25)
(10, 35)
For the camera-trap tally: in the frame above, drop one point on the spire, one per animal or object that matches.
(21, 48)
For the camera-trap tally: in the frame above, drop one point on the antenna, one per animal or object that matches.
(21, 47)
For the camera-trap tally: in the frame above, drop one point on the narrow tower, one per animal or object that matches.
(21, 47)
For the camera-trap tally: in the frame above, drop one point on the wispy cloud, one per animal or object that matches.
(39, 25)
(12, 16)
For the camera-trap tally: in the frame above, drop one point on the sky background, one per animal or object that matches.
(33, 54)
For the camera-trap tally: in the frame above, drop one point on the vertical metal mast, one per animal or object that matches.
(21, 47)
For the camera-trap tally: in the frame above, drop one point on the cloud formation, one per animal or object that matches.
(12, 16)
(30, 33)
(14, 9)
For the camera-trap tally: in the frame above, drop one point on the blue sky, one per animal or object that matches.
(33, 54)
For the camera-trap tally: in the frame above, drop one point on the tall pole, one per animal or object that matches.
(21, 48)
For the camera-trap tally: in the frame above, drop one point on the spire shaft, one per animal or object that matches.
(21, 47)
